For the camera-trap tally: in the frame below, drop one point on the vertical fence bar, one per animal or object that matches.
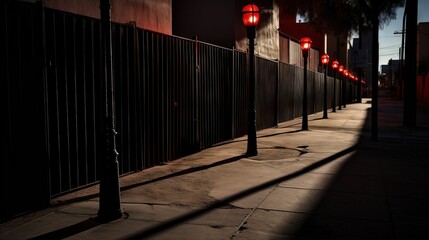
(233, 109)
(277, 113)
(196, 95)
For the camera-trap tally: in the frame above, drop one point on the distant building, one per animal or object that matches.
(423, 63)
(293, 29)
(362, 58)
(423, 48)
(391, 73)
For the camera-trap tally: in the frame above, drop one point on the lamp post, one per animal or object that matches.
(363, 87)
(335, 65)
(346, 75)
(340, 70)
(358, 89)
(325, 61)
(110, 200)
(352, 78)
(353, 86)
(305, 47)
(251, 15)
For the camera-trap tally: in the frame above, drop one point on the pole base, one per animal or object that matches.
(251, 153)
(304, 124)
(325, 114)
(109, 215)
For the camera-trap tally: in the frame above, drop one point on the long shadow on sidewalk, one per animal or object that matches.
(171, 175)
(174, 222)
(380, 192)
(70, 230)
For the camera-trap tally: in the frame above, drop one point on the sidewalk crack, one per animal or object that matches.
(241, 227)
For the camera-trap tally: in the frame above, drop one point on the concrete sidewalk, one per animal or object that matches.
(331, 182)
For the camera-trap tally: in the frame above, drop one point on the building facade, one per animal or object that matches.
(154, 15)
(220, 23)
(423, 63)
(362, 58)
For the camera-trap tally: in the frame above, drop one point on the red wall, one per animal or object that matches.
(423, 90)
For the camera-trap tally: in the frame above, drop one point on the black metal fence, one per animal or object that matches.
(174, 97)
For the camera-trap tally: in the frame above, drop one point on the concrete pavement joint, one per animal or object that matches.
(157, 204)
(325, 215)
(240, 227)
(331, 191)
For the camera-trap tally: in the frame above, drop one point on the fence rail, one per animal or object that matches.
(174, 97)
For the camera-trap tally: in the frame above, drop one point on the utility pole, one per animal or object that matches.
(374, 97)
(410, 85)
(360, 70)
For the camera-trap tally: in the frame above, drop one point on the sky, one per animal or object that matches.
(390, 42)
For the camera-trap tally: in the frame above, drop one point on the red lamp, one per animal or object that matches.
(324, 59)
(346, 72)
(251, 15)
(335, 64)
(341, 68)
(305, 43)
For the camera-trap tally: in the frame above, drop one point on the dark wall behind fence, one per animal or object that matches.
(174, 97)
